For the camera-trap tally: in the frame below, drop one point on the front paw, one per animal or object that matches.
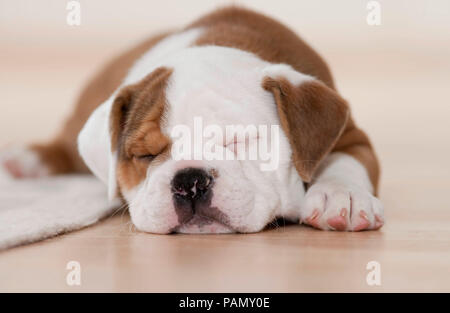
(335, 206)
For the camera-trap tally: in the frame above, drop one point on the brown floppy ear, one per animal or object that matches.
(120, 108)
(312, 115)
(142, 92)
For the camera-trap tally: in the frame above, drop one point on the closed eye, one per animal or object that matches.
(145, 157)
(235, 143)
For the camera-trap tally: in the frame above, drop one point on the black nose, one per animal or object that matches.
(191, 188)
(191, 183)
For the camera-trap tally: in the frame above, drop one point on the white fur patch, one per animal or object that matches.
(287, 72)
(94, 143)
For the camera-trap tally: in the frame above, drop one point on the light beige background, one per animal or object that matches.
(396, 77)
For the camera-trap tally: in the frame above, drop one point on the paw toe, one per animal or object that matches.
(378, 222)
(314, 218)
(363, 224)
(338, 222)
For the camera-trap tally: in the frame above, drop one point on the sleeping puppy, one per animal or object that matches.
(230, 67)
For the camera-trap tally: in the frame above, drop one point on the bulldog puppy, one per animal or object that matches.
(230, 67)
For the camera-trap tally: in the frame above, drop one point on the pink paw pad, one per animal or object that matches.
(338, 222)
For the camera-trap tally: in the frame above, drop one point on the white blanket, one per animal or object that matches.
(35, 209)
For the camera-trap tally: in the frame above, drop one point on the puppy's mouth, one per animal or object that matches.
(200, 224)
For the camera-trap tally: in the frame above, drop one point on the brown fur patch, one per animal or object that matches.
(136, 118)
(355, 142)
(313, 117)
(54, 156)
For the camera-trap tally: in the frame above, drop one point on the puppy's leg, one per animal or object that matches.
(341, 197)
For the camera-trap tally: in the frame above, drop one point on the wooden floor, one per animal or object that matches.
(399, 97)
(413, 251)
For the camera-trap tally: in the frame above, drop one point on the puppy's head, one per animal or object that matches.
(132, 142)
